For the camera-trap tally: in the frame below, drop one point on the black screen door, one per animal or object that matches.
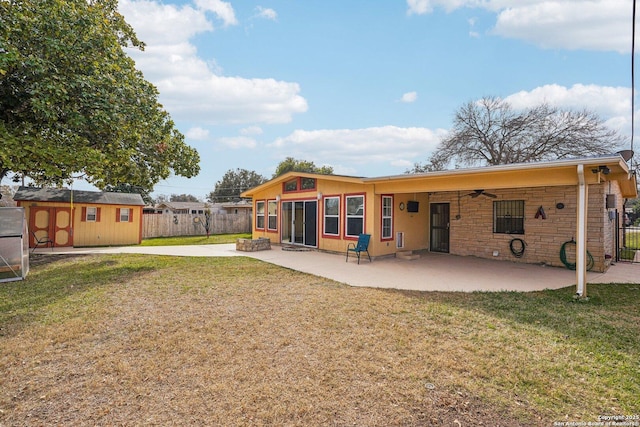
(439, 216)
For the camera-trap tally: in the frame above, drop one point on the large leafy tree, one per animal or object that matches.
(292, 165)
(73, 104)
(490, 132)
(233, 183)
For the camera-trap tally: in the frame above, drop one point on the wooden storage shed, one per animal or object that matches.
(81, 218)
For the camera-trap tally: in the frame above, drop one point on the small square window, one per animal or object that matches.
(124, 214)
(91, 214)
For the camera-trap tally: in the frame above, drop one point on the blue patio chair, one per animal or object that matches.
(361, 246)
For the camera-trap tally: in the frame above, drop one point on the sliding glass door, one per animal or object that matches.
(300, 222)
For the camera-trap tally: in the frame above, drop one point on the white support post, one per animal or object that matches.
(581, 235)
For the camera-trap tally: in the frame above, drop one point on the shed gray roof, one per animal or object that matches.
(33, 194)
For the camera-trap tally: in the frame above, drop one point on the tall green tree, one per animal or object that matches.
(72, 102)
(233, 183)
(491, 132)
(292, 165)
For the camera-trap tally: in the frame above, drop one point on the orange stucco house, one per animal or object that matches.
(518, 212)
(81, 218)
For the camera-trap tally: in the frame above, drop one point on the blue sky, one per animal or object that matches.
(367, 87)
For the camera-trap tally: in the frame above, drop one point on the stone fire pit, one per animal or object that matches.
(253, 245)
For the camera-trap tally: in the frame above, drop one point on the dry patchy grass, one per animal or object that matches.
(148, 340)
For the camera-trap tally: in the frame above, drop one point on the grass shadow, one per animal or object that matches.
(55, 282)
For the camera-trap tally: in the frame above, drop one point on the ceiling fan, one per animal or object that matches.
(477, 193)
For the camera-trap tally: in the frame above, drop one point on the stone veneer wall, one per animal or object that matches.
(253, 245)
(472, 233)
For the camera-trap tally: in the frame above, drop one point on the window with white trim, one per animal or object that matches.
(124, 214)
(272, 211)
(260, 215)
(354, 216)
(92, 214)
(332, 216)
(387, 217)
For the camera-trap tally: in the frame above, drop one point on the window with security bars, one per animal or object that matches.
(508, 216)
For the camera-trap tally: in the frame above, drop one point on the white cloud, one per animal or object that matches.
(409, 97)
(612, 104)
(347, 149)
(197, 133)
(594, 25)
(607, 101)
(266, 13)
(223, 9)
(190, 87)
(251, 130)
(151, 21)
(565, 24)
(472, 24)
(232, 100)
(236, 142)
(419, 7)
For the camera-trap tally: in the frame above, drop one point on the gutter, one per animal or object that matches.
(617, 159)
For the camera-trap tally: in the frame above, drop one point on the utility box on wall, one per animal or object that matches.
(611, 201)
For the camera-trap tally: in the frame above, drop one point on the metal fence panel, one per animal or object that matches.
(630, 245)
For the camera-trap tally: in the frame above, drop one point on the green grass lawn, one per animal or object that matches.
(140, 339)
(195, 240)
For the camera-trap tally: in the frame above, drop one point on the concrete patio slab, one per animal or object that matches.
(430, 272)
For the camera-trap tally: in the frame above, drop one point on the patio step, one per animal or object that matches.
(408, 255)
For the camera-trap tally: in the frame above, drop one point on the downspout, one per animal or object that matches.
(581, 236)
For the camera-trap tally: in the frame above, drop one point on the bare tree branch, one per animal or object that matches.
(490, 132)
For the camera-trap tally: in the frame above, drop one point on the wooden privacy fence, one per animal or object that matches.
(167, 225)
